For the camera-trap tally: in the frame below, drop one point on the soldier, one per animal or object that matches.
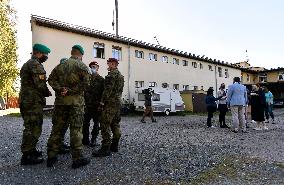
(32, 99)
(110, 105)
(64, 149)
(69, 81)
(92, 99)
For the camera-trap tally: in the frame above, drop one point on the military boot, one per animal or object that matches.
(102, 152)
(37, 153)
(51, 162)
(114, 146)
(64, 149)
(31, 159)
(80, 162)
(85, 141)
(93, 142)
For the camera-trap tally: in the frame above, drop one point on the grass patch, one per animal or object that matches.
(226, 168)
(15, 115)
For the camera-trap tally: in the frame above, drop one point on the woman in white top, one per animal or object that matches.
(222, 106)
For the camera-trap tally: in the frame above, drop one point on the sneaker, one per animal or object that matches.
(265, 128)
(266, 121)
(235, 131)
(211, 126)
(257, 128)
(154, 121)
(273, 121)
(80, 162)
(143, 121)
(51, 162)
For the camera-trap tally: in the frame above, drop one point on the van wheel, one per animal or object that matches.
(167, 112)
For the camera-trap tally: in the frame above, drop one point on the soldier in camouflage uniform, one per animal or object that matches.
(69, 81)
(110, 105)
(32, 99)
(64, 149)
(92, 99)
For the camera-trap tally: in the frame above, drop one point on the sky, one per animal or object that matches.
(218, 29)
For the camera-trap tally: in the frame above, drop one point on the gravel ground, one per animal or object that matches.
(176, 150)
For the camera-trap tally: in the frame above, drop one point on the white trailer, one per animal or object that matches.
(163, 100)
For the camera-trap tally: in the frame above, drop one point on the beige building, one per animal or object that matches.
(142, 64)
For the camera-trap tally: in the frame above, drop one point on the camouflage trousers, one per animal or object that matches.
(91, 113)
(32, 115)
(64, 116)
(110, 119)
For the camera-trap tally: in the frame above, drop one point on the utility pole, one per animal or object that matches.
(116, 16)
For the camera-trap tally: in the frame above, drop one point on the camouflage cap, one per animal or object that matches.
(41, 48)
(93, 63)
(112, 60)
(78, 47)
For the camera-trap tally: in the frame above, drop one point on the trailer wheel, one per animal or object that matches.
(167, 112)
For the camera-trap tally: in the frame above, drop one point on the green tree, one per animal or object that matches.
(8, 47)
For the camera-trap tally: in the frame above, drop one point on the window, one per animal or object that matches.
(195, 88)
(156, 97)
(220, 71)
(176, 61)
(185, 87)
(281, 76)
(176, 86)
(184, 62)
(139, 54)
(152, 84)
(248, 78)
(116, 52)
(201, 66)
(210, 68)
(152, 56)
(194, 64)
(226, 73)
(263, 78)
(139, 84)
(165, 59)
(99, 50)
(165, 85)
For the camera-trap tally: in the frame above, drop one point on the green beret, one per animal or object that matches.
(41, 48)
(80, 48)
(63, 60)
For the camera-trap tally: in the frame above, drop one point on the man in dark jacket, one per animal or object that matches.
(93, 97)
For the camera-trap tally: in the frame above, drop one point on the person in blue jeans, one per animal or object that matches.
(268, 105)
(211, 106)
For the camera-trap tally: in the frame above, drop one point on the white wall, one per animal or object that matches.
(61, 42)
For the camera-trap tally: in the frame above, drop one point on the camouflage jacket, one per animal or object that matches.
(114, 83)
(74, 75)
(33, 83)
(94, 92)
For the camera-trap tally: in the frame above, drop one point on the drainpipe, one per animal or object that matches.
(129, 73)
(216, 80)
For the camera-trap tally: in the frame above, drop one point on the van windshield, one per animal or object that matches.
(156, 97)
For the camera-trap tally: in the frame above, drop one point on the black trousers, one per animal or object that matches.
(91, 113)
(222, 114)
(209, 118)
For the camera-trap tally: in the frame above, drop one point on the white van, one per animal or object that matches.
(163, 100)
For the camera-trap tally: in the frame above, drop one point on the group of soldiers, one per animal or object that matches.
(81, 94)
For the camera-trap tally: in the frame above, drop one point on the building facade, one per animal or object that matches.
(142, 64)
